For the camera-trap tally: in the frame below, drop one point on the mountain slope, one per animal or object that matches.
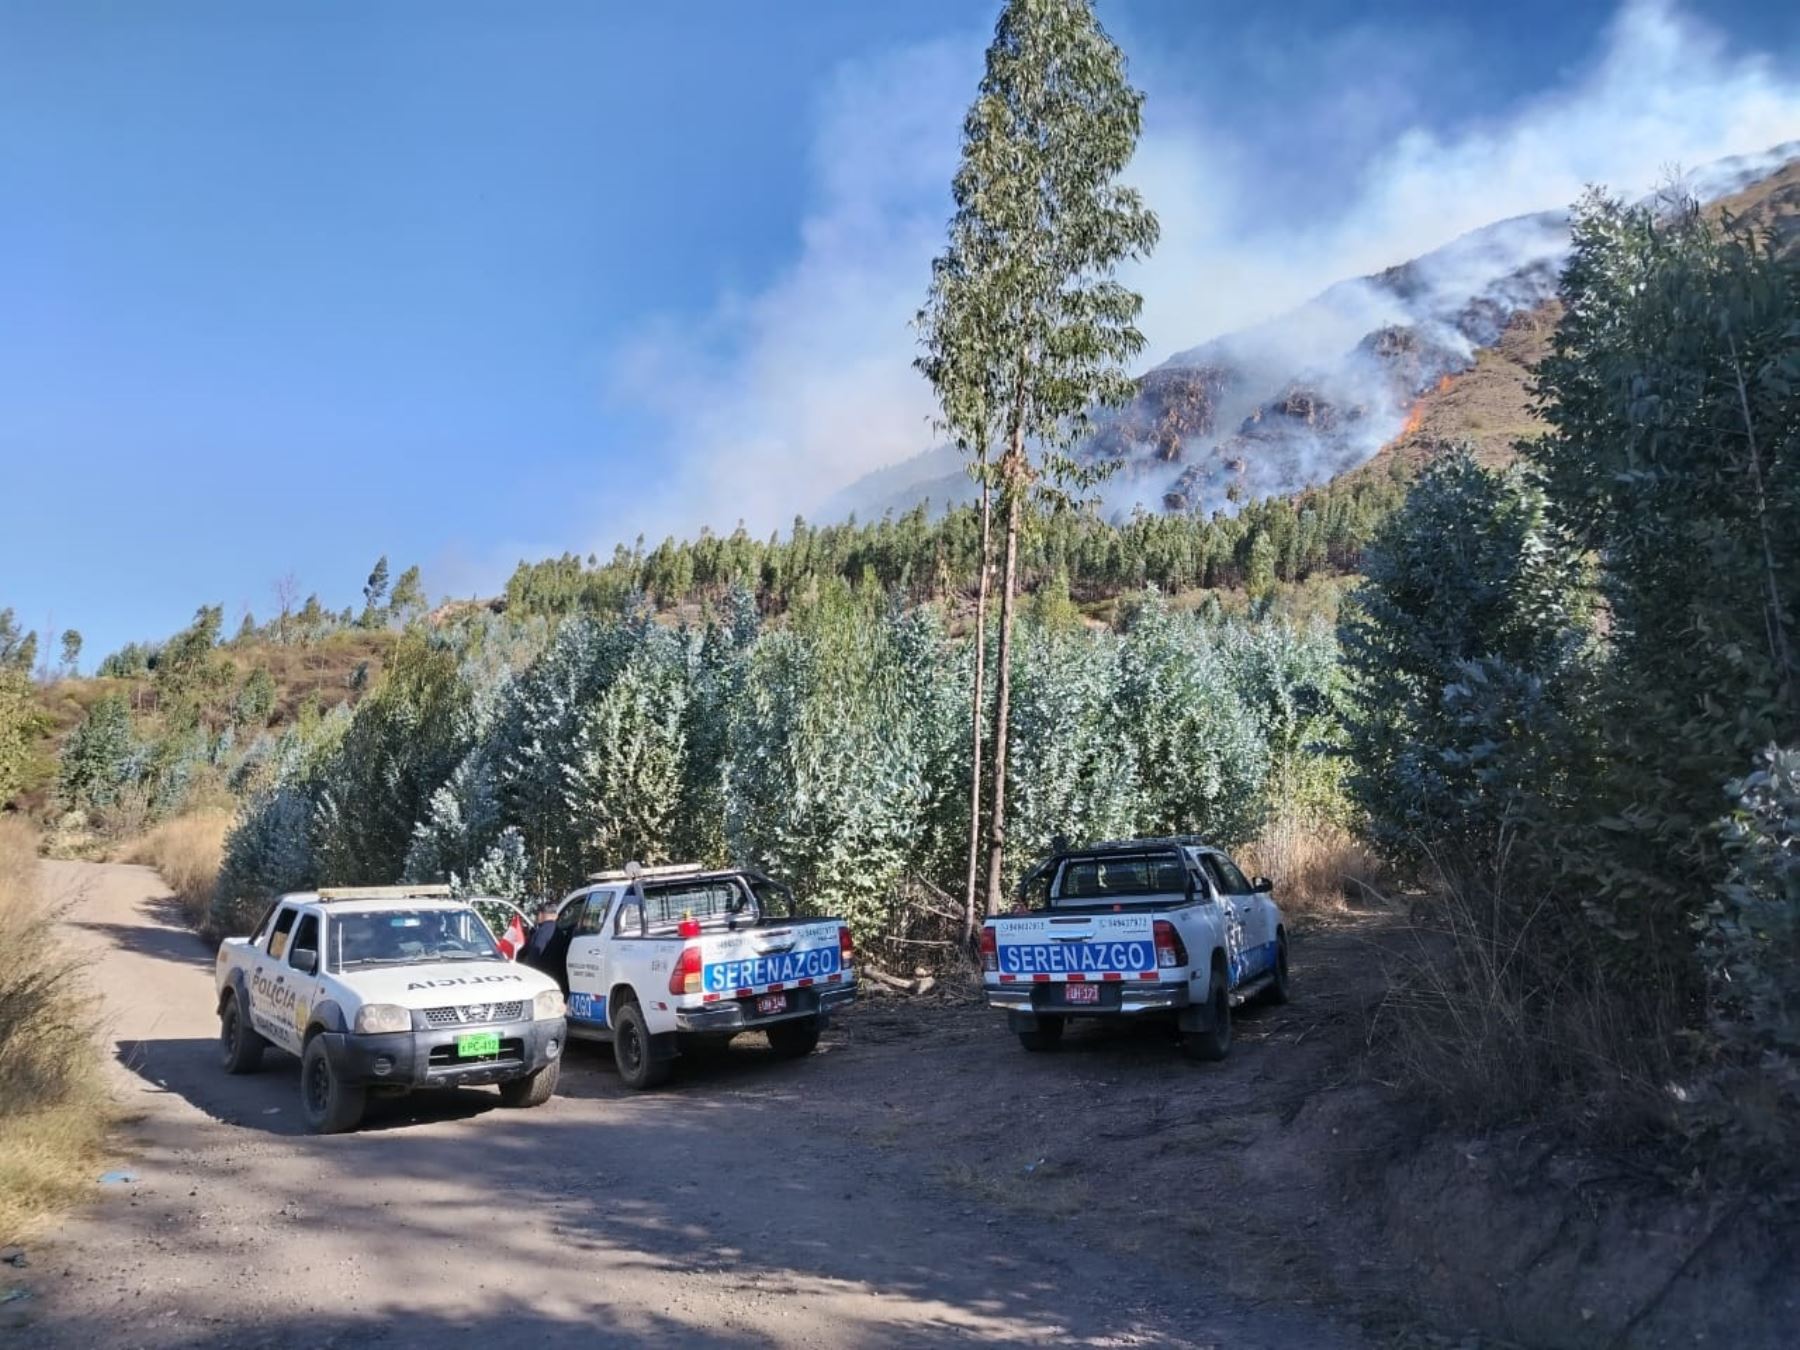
(1427, 353)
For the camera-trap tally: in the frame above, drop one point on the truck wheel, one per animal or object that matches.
(794, 1040)
(638, 1069)
(328, 1104)
(240, 1048)
(1047, 1035)
(1278, 987)
(1215, 1042)
(534, 1089)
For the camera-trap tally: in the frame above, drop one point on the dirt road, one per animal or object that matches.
(753, 1203)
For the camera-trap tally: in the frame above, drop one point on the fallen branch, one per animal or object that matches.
(894, 982)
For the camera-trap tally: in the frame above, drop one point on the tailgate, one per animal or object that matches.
(765, 959)
(1074, 948)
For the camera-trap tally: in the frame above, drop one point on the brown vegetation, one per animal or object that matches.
(52, 1113)
(1492, 1017)
(1317, 867)
(1489, 406)
(186, 852)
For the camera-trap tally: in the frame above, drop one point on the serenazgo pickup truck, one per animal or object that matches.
(1165, 927)
(386, 989)
(665, 961)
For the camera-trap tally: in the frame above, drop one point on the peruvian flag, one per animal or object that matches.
(513, 938)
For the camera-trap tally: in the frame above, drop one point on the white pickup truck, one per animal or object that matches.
(1165, 927)
(386, 988)
(665, 961)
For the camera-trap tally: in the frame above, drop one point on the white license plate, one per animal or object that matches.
(1081, 993)
(772, 1003)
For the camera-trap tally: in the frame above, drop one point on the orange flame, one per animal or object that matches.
(1415, 415)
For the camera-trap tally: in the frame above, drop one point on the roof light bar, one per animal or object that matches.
(426, 892)
(631, 871)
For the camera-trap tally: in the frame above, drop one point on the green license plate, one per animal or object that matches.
(478, 1043)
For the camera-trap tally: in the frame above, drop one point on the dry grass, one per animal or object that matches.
(186, 852)
(1316, 866)
(53, 1117)
(1494, 1016)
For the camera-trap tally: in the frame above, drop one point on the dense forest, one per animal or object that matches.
(922, 557)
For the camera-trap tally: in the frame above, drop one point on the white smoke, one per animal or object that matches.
(1664, 94)
(815, 388)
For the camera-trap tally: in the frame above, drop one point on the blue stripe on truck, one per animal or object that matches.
(725, 977)
(1077, 958)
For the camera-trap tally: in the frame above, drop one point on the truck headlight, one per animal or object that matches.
(547, 1005)
(374, 1019)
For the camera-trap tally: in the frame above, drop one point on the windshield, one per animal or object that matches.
(1083, 880)
(410, 936)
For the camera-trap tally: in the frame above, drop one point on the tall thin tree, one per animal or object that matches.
(1040, 228)
(957, 337)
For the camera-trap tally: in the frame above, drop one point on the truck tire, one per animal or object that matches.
(240, 1047)
(1047, 1035)
(534, 1089)
(328, 1104)
(796, 1039)
(1278, 991)
(638, 1068)
(1215, 1042)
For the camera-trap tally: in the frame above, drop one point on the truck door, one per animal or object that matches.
(1231, 915)
(305, 956)
(588, 960)
(1256, 916)
(553, 960)
(266, 979)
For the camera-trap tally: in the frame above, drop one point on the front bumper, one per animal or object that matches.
(730, 1015)
(1025, 1003)
(426, 1057)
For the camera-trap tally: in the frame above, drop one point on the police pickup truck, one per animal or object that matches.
(1165, 927)
(666, 961)
(386, 988)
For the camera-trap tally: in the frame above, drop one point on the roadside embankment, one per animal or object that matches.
(53, 1111)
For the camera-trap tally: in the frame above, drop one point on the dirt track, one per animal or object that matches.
(855, 1198)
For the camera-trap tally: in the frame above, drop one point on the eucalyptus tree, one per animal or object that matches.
(959, 331)
(1672, 391)
(1026, 325)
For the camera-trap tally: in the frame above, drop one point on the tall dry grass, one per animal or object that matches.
(186, 851)
(1317, 866)
(1496, 1015)
(53, 1116)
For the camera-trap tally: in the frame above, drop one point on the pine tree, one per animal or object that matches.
(1031, 310)
(71, 651)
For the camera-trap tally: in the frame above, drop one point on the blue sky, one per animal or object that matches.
(289, 285)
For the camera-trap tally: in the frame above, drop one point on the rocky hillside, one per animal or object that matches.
(1434, 351)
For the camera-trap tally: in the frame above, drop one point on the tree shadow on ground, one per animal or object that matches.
(586, 1207)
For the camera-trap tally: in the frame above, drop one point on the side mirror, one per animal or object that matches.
(1262, 885)
(305, 960)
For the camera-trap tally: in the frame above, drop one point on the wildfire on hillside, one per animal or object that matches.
(1415, 415)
